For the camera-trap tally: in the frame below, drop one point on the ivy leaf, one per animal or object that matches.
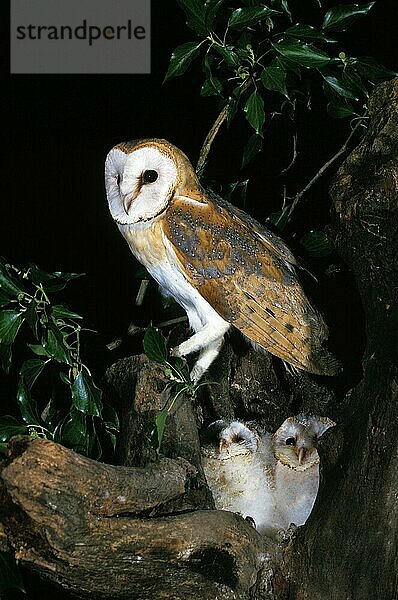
(340, 17)
(280, 218)
(4, 298)
(338, 86)
(232, 109)
(32, 317)
(52, 282)
(9, 427)
(110, 418)
(250, 15)
(61, 312)
(5, 357)
(10, 322)
(55, 345)
(94, 446)
(10, 576)
(74, 431)
(370, 69)
(8, 283)
(86, 395)
(211, 10)
(212, 86)
(195, 12)
(181, 58)
(38, 350)
(31, 369)
(317, 243)
(254, 110)
(303, 54)
(273, 78)
(26, 404)
(227, 53)
(340, 111)
(160, 423)
(307, 32)
(252, 148)
(155, 345)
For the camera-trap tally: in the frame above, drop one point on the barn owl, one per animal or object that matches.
(218, 263)
(273, 479)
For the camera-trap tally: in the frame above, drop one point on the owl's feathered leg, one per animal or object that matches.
(208, 340)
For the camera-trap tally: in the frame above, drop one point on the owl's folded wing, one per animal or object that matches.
(249, 280)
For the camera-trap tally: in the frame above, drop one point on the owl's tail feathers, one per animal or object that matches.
(323, 362)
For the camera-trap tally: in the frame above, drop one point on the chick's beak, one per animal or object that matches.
(300, 452)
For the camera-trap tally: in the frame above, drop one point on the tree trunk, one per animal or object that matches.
(148, 529)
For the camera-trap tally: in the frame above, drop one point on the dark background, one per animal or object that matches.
(61, 127)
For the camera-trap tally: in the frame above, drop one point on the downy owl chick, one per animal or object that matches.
(273, 479)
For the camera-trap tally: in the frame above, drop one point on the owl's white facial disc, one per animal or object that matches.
(139, 185)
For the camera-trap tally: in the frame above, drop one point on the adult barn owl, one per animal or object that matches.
(273, 479)
(217, 262)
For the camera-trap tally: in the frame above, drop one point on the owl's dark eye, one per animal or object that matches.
(149, 176)
(290, 442)
(118, 179)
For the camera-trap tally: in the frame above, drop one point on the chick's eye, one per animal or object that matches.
(290, 441)
(149, 176)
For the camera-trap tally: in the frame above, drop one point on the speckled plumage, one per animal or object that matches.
(222, 266)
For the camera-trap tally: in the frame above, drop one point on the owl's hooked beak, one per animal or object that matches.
(128, 201)
(300, 452)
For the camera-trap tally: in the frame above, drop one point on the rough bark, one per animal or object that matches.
(348, 549)
(148, 530)
(96, 529)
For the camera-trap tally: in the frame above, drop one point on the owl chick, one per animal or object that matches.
(273, 479)
(236, 470)
(218, 263)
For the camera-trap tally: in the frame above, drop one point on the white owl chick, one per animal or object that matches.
(296, 473)
(273, 479)
(234, 465)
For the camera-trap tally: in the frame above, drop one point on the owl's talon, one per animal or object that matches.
(175, 352)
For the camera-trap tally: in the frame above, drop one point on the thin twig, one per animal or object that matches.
(205, 149)
(294, 157)
(321, 171)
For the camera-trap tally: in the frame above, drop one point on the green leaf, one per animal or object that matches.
(61, 312)
(38, 350)
(195, 12)
(370, 69)
(273, 78)
(74, 432)
(338, 86)
(8, 283)
(5, 357)
(51, 282)
(254, 110)
(26, 404)
(340, 111)
(340, 17)
(155, 345)
(212, 86)
(250, 15)
(94, 446)
(160, 423)
(32, 316)
(10, 322)
(181, 58)
(317, 243)
(302, 53)
(227, 53)
(86, 395)
(211, 10)
(110, 417)
(31, 370)
(9, 427)
(4, 298)
(307, 32)
(280, 218)
(252, 148)
(10, 576)
(232, 109)
(55, 345)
